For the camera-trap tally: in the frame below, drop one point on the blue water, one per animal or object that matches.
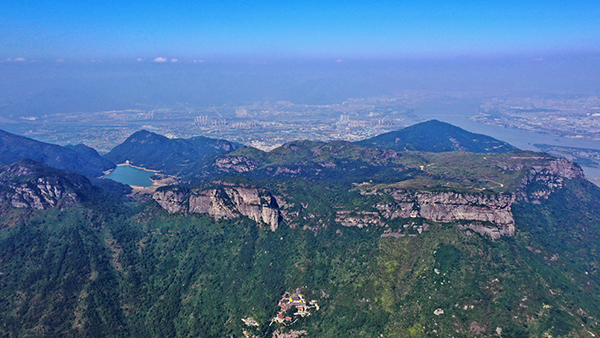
(458, 114)
(129, 175)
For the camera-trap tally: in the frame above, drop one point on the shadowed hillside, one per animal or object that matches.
(436, 136)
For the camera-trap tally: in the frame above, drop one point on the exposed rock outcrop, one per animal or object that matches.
(28, 184)
(446, 207)
(450, 206)
(238, 164)
(289, 334)
(358, 219)
(225, 202)
(541, 180)
(486, 213)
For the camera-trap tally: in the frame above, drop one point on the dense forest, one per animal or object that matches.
(91, 262)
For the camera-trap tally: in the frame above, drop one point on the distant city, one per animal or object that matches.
(266, 125)
(567, 117)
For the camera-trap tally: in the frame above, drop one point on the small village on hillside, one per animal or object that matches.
(294, 301)
(291, 307)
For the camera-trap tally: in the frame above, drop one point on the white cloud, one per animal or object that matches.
(159, 59)
(140, 59)
(20, 60)
(174, 60)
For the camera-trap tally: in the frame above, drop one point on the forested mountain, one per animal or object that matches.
(437, 136)
(80, 159)
(311, 239)
(183, 157)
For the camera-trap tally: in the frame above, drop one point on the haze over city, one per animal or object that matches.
(263, 73)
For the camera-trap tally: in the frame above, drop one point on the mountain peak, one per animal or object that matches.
(176, 156)
(437, 136)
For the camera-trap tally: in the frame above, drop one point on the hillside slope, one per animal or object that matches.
(80, 159)
(436, 136)
(378, 243)
(184, 157)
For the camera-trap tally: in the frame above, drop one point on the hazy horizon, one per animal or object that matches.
(34, 88)
(82, 57)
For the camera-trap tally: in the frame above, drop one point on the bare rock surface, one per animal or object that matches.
(227, 202)
(31, 185)
(486, 213)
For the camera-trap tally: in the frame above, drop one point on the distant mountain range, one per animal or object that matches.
(492, 242)
(192, 158)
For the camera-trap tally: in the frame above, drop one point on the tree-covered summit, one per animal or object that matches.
(436, 136)
(175, 156)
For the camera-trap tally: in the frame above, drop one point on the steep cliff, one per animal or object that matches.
(446, 207)
(32, 185)
(224, 202)
(542, 180)
(484, 211)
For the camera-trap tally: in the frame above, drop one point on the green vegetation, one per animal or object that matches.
(376, 168)
(186, 158)
(79, 159)
(93, 271)
(436, 136)
(104, 268)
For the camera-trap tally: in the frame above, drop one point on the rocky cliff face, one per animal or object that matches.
(238, 164)
(41, 194)
(225, 202)
(445, 207)
(540, 181)
(32, 185)
(483, 212)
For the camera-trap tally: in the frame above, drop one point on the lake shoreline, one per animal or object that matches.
(132, 175)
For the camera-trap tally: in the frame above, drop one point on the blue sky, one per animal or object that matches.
(187, 30)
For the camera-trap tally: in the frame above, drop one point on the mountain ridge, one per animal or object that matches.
(183, 157)
(86, 162)
(437, 136)
(385, 242)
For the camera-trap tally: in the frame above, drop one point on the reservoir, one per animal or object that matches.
(129, 175)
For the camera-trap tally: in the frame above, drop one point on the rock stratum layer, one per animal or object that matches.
(446, 207)
(225, 202)
(486, 213)
(28, 184)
